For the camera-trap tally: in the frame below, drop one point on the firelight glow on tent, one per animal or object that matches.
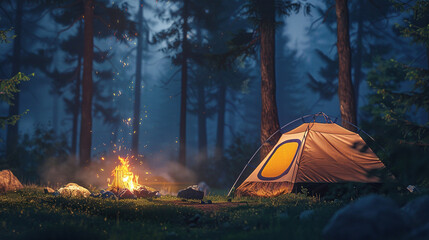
(312, 153)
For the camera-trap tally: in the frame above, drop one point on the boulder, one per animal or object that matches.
(190, 193)
(145, 192)
(418, 210)
(8, 182)
(108, 195)
(126, 194)
(73, 190)
(370, 217)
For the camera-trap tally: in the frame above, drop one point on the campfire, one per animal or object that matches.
(123, 177)
(125, 183)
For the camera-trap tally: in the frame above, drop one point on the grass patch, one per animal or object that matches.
(31, 214)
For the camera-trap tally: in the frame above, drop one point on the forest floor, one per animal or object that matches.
(32, 214)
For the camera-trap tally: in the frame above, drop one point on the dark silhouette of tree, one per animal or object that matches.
(105, 20)
(23, 19)
(176, 38)
(392, 109)
(12, 130)
(141, 37)
(369, 38)
(263, 15)
(87, 85)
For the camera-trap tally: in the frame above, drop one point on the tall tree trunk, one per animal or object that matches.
(220, 129)
(76, 108)
(202, 122)
(269, 114)
(345, 87)
(87, 86)
(202, 114)
(184, 87)
(12, 130)
(358, 64)
(137, 87)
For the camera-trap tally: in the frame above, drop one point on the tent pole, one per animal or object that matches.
(242, 171)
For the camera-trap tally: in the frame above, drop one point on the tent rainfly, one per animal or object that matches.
(312, 153)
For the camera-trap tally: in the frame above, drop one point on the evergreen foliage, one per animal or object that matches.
(400, 98)
(8, 87)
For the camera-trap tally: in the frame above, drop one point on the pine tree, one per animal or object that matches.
(368, 39)
(401, 92)
(101, 20)
(178, 45)
(263, 14)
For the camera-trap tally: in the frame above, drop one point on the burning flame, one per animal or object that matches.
(123, 177)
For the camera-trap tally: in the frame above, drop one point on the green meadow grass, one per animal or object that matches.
(31, 214)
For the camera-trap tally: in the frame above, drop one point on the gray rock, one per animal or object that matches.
(145, 192)
(109, 195)
(418, 210)
(419, 233)
(126, 194)
(370, 217)
(307, 214)
(190, 193)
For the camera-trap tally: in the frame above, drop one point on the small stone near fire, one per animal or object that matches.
(48, 190)
(126, 194)
(145, 192)
(108, 195)
(74, 190)
(8, 182)
(190, 193)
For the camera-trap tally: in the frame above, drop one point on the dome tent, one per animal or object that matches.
(312, 153)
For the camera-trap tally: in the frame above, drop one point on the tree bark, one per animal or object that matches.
(202, 111)
(220, 129)
(87, 86)
(137, 87)
(202, 123)
(12, 130)
(76, 106)
(345, 87)
(184, 86)
(358, 65)
(269, 114)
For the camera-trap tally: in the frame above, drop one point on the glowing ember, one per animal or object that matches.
(123, 177)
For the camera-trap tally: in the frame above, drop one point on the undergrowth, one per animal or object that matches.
(31, 214)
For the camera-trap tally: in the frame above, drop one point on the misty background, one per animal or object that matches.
(306, 70)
